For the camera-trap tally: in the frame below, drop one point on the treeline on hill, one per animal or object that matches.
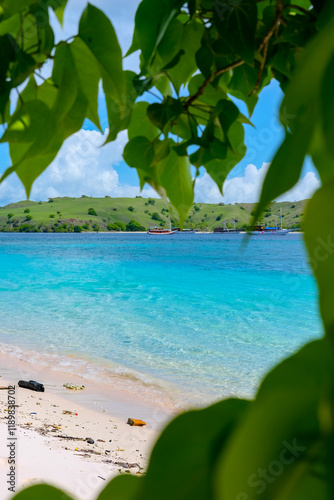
(68, 215)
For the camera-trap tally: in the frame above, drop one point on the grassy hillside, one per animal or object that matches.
(72, 214)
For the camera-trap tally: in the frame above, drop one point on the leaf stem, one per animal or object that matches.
(201, 109)
(40, 76)
(154, 95)
(20, 97)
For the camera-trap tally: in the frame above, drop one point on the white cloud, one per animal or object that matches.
(304, 189)
(247, 188)
(81, 167)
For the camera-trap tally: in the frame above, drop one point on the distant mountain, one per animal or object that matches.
(110, 214)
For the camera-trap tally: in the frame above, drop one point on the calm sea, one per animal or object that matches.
(199, 316)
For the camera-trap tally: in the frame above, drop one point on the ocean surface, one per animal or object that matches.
(192, 317)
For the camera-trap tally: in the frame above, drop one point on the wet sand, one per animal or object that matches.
(98, 412)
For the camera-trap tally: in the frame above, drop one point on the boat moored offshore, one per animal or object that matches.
(178, 230)
(269, 230)
(223, 230)
(261, 230)
(160, 231)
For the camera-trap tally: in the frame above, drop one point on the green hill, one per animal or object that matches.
(105, 214)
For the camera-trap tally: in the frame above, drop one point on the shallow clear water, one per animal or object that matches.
(199, 311)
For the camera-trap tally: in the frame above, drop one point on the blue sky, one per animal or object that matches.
(82, 167)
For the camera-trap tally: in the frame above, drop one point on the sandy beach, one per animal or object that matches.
(96, 413)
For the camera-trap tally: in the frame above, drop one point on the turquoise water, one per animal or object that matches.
(193, 314)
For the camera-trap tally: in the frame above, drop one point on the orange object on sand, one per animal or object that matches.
(134, 421)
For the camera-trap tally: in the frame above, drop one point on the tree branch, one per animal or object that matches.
(263, 46)
(259, 75)
(210, 79)
(265, 42)
(276, 23)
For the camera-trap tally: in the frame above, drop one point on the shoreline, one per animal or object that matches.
(74, 466)
(124, 232)
(98, 374)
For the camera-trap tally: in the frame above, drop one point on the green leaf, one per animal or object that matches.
(326, 15)
(210, 96)
(321, 156)
(142, 154)
(193, 6)
(27, 124)
(140, 125)
(64, 115)
(242, 84)
(124, 487)
(185, 126)
(286, 167)
(151, 23)
(142, 85)
(170, 44)
(59, 7)
(299, 30)
(162, 83)
(182, 148)
(284, 441)
(219, 161)
(7, 55)
(284, 60)
(8, 8)
(219, 169)
(183, 461)
(205, 61)
(47, 40)
(319, 238)
(87, 70)
(327, 104)
(139, 153)
(161, 150)
(175, 178)
(97, 32)
(190, 43)
(305, 87)
(227, 113)
(29, 93)
(161, 114)
(11, 25)
(42, 492)
(236, 23)
(23, 66)
(215, 149)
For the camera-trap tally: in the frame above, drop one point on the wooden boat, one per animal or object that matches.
(160, 231)
(223, 230)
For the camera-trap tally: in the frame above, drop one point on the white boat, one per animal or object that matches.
(160, 231)
(261, 230)
(184, 231)
(270, 231)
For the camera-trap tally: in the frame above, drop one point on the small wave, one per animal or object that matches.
(120, 377)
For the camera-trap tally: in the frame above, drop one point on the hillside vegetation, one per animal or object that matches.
(135, 214)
